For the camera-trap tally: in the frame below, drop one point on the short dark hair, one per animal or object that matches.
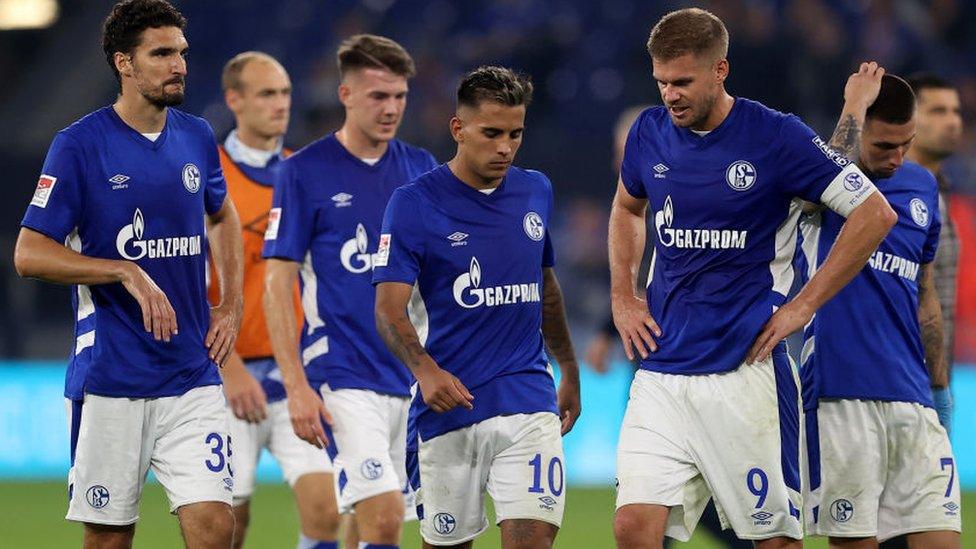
(369, 51)
(496, 84)
(124, 25)
(895, 103)
(921, 81)
(691, 30)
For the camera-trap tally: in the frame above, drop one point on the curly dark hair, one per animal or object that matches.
(496, 84)
(123, 27)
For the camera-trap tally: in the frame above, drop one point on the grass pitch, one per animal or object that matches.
(31, 515)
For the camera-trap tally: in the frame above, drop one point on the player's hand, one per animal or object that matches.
(244, 393)
(307, 413)
(158, 316)
(598, 352)
(788, 319)
(635, 324)
(568, 401)
(225, 321)
(863, 86)
(441, 390)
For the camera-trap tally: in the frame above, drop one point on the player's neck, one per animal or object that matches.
(139, 114)
(359, 144)
(471, 178)
(927, 161)
(720, 111)
(254, 140)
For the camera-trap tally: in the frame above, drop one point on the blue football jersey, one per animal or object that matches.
(725, 210)
(865, 343)
(477, 259)
(327, 211)
(109, 192)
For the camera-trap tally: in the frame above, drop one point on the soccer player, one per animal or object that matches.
(714, 410)
(328, 207)
(880, 464)
(258, 91)
(938, 125)
(134, 189)
(474, 236)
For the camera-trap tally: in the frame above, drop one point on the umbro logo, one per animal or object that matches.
(342, 200)
(951, 508)
(659, 170)
(548, 503)
(457, 239)
(118, 181)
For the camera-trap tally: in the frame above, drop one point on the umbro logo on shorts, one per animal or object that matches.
(548, 502)
(951, 509)
(762, 518)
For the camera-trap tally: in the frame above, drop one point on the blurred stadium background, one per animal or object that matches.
(588, 61)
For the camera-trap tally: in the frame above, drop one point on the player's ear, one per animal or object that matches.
(456, 129)
(344, 93)
(233, 98)
(722, 70)
(123, 63)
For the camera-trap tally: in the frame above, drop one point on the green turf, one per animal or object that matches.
(31, 516)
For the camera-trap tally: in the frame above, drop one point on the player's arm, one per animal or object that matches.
(440, 389)
(555, 331)
(227, 246)
(305, 407)
(38, 256)
(860, 92)
(628, 228)
(930, 323)
(859, 237)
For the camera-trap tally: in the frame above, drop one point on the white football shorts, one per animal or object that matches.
(517, 460)
(879, 469)
(183, 439)
(731, 436)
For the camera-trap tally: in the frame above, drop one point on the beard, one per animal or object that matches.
(160, 98)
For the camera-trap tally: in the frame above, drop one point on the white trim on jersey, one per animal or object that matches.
(417, 310)
(810, 228)
(310, 289)
(315, 350)
(84, 341)
(847, 190)
(781, 267)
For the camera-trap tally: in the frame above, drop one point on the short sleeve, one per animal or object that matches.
(935, 227)
(548, 251)
(630, 172)
(400, 248)
(811, 170)
(291, 219)
(56, 207)
(216, 190)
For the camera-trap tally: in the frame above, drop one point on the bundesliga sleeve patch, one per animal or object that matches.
(383, 253)
(45, 185)
(274, 219)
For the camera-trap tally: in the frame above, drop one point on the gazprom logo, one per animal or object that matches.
(469, 294)
(132, 246)
(353, 254)
(713, 239)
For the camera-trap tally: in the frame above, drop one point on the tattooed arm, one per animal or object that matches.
(930, 322)
(439, 388)
(860, 92)
(555, 331)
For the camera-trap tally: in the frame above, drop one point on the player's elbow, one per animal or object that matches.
(25, 262)
(887, 217)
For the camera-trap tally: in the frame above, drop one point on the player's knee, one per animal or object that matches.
(321, 521)
(211, 523)
(111, 537)
(633, 530)
(386, 526)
